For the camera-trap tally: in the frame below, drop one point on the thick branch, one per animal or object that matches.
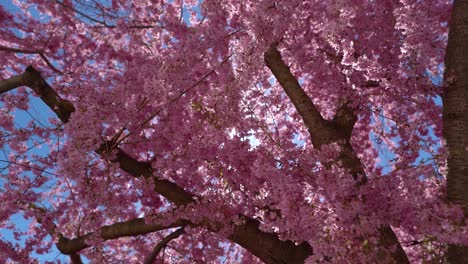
(324, 132)
(61, 107)
(132, 227)
(11, 83)
(344, 121)
(38, 52)
(455, 101)
(102, 23)
(267, 246)
(169, 190)
(387, 242)
(321, 131)
(318, 127)
(33, 79)
(75, 258)
(162, 244)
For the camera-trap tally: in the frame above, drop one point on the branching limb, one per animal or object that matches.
(33, 79)
(324, 132)
(15, 50)
(132, 227)
(11, 83)
(318, 127)
(81, 13)
(267, 246)
(169, 190)
(162, 244)
(51, 228)
(75, 258)
(47, 61)
(38, 52)
(321, 131)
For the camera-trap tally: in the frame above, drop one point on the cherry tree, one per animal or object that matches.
(234, 131)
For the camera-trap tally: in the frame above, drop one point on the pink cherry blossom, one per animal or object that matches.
(228, 131)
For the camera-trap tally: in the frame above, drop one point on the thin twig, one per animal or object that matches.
(177, 97)
(27, 166)
(181, 11)
(50, 64)
(38, 52)
(187, 90)
(81, 13)
(4, 48)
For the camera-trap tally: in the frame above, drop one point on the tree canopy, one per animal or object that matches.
(246, 131)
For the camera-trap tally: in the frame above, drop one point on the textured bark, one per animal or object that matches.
(168, 189)
(11, 83)
(121, 229)
(320, 129)
(324, 132)
(266, 246)
(455, 101)
(33, 79)
(75, 259)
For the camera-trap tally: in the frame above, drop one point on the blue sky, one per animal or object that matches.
(41, 113)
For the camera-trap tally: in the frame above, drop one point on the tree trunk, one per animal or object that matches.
(455, 100)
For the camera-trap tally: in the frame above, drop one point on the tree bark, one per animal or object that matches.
(325, 132)
(455, 117)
